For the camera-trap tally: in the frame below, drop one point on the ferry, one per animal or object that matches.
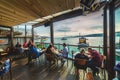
(82, 42)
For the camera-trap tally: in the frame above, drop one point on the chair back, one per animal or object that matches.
(81, 62)
(103, 57)
(48, 56)
(103, 61)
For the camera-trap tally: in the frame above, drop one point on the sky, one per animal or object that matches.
(90, 24)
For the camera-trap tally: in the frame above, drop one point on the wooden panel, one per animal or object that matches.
(18, 7)
(3, 23)
(19, 11)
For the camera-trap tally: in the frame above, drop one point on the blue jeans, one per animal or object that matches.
(92, 66)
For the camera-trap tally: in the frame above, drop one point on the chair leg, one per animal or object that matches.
(83, 74)
(1, 77)
(77, 74)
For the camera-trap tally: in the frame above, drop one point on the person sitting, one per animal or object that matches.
(6, 67)
(33, 52)
(25, 44)
(95, 61)
(18, 45)
(117, 69)
(64, 53)
(82, 56)
(50, 53)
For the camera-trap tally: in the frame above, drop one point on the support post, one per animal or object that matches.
(11, 37)
(25, 33)
(111, 72)
(33, 34)
(105, 34)
(52, 32)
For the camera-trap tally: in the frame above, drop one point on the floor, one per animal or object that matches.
(40, 70)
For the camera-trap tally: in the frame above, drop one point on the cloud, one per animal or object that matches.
(89, 24)
(64, 29)
(96, 27)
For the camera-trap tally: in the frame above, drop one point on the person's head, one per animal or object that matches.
(31, 40)
(82, 51)
(50, 45)
(90, 50)
(17, 42)
(64, 44)
(117, 68)
(4, 57)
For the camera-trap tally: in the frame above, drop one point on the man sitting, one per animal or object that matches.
(95, 60)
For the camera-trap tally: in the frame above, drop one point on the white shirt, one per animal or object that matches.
(65, 52)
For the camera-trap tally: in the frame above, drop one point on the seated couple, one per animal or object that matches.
(93, 60)
(52, 53)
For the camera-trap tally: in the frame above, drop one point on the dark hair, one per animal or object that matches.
(82, 50)
(64, 44)
(89, 48)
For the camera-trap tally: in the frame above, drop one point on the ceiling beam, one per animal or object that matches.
(62, 17)
(5, 26)
(68, 15)
(39, 24)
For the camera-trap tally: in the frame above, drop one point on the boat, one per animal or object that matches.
(63, 38)
(82, 42)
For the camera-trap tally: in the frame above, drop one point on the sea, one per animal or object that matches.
(93, 41)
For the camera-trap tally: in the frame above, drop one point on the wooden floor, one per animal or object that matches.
(40, 70)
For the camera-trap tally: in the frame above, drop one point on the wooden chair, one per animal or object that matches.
(81, 63)
(49, 58)
(102, 68)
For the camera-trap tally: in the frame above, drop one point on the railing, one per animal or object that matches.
(71, 48)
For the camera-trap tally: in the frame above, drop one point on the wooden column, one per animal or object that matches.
(33, 34)
(11, 37)
(25, 33)
(111, 72)
(52, 32)
(105, 34)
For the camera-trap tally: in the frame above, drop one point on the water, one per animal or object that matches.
(93, 41)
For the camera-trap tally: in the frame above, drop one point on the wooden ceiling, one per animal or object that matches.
(15, 12)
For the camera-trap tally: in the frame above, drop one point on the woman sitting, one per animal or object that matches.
(80, 60)
(50, 53)
(33, 52)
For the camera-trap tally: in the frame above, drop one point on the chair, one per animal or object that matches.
(49, 57)
(80, 64)
(102, 68)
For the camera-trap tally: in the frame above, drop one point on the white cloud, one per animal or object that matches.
(92, 23)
